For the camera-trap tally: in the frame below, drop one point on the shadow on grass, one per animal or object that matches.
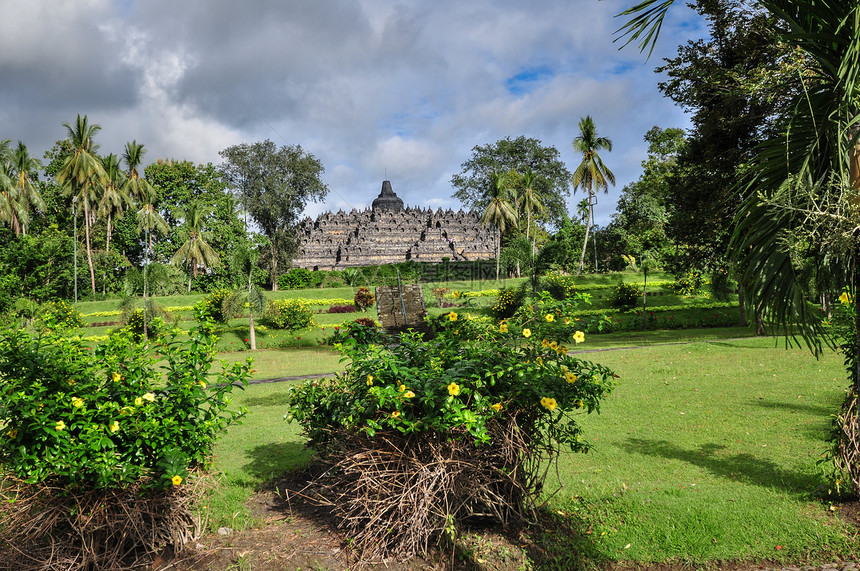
(816, 410)
(743, 467)
(274, 399)
(270, 461)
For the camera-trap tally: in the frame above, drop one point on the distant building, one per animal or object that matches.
(388, 233)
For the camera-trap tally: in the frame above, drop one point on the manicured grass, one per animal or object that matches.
(705, 452)
(708, 452)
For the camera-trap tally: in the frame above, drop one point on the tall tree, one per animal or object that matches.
(551, 184)
(196, 252)
(82, 175)
(529, 201)
(591, 174)
(24, 190)
(114, 197)
(274, 184)
(500, 212)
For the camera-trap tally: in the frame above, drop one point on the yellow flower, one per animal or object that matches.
(452, 316)
(149, 397)
(563, 350)
(60, 426)
(114, 426)
(570, 377)
(567, 320)
(579, 403)
(453, 389)
(202, 384)
(554, 346)
(579, 336)
(845, 297)
(497, 407)
(527, 332)
(395, 414)
(77, 402)
(549, 317)
(116, 377)
(12, 433)
(138, 401)
(549, 403)
(408, 395)
(401, 388)
(369, 380)
(176, 480)
(544, 343)
(503, 328)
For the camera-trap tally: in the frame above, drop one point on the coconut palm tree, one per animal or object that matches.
(499, 213)
(195, 252)
(529, 201)
(82, 175)
(24, 188)
(591, 174)
(114, 197)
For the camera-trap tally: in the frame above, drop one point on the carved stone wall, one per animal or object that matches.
(400, 308)
(390, 233)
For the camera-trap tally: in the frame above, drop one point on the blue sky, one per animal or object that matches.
(371, 87)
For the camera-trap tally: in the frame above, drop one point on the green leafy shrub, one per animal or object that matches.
(721, 286)
(559, 287)
(144, 320)
(61, 313)
(625, 296)
(296, 278)
(110, 417)
(509, 300)
(486, 402)
(212, 305)
(690, 284)
(289, 314)
(364, 299)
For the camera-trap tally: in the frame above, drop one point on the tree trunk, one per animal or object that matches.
(585, 242)
(759, 319)
(89, 249)
(274, 272)
(498, 252)
(644, 289)
(742, 306)
(252, 333)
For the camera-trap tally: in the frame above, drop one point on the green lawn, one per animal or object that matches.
(706, 451)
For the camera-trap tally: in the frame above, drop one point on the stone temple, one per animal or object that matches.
(389, 232)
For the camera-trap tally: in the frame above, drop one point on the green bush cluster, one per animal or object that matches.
(363, 299)
(289, 314)
(111, 417)
(560, 287)
(61, 313)
(471, 373)
(690, 284)
(212, 305)
(296, 278)
(625, 296)
(509, 300)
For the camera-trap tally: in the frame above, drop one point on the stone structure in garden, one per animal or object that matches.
(389, 232)
(402, 307)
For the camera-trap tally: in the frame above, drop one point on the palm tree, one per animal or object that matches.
(195, 252)
(591, 174)
(82, 175)
(529, 201)
(499, 213)
(24, 188)
(244, 260)
(114, 197)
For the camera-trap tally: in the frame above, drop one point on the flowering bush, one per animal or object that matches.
(486, 402)
(625, 296)
(690, 284)
(289, 314)
(107, 418)
(509, 300)
(61, 313)
(560, 287)
(211, 306)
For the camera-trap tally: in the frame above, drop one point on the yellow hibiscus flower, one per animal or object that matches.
(549, 403)
(60, 426)
(149, 397)
(570, 377)
(503, 328)
(77, 402)
(549, 317)
(544, 343)
(579, 336)
(527, 333)
(176, 480)
(116, 377)
(453, 389)
(497, 407)
(395, 414)
(369, 380)
(452, 316)
(114, 426)
(408, 395)
(845, 297)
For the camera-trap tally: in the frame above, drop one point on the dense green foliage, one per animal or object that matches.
(109, 417)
